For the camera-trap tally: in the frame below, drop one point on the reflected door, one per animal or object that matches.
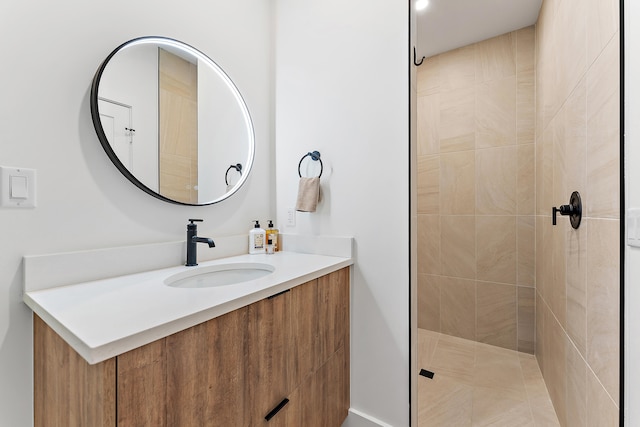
(116, 121)
(178, 97)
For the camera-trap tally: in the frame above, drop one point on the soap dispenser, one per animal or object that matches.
(257, 239)
(273, 233)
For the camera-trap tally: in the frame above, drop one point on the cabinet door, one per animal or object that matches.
(205, 373)
(333, 314)
(304, 332)
(141, 386)
(322, 399)
(67, 390)
(321, 311)
(266, 383)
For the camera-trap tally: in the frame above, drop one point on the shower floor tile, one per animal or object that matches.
(478, 384)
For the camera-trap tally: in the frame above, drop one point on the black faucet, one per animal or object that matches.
(192, 239)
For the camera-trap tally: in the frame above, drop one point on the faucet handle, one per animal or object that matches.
(195, 220)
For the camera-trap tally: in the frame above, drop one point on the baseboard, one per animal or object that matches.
(360, 419)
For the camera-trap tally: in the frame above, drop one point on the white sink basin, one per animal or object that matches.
(219, 275)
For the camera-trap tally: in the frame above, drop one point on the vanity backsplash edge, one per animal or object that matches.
(47, 271)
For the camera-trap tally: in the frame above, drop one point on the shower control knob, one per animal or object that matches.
(573, 210)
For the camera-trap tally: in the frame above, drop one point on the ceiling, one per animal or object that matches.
(448, 24)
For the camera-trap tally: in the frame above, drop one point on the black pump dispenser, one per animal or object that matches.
(257, 224)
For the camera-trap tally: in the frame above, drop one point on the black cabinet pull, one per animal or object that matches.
(278, 294)
(276, 409)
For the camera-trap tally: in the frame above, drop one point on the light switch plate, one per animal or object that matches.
(17, 187)
(291, 217)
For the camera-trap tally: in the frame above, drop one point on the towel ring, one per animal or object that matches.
(315, 156)
(237, 167)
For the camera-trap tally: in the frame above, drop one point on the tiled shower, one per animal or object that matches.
(476, 192)
(507, 129)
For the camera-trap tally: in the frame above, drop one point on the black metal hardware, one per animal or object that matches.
(192, 239)
(237, 167)
(315, 156)
(278, 294)
(417, 64)
(276, 409)
(573, 210)
(427, 373)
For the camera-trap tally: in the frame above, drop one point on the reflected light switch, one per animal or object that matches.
(17, 187)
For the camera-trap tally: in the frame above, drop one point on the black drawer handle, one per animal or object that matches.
(279, 293)
(276, 409)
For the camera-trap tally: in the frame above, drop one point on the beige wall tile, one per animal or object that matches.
(496, 172)
(601, 410)
(559, 191)
(576, 254)
(576, 139)
(571, 39)
(457, 183)
(428, 184)
(429, 244)
(603, 134)
(526, 247)
(429, 302)
(557, 292)
(525, 49)
(428, 76)
(526, 319)
(496, 112)
(555, 374)
(576, 387)
(497, 316)
(539, 270)
(496, 255)
(458, 246)
(540, 333)
(496, 58)
(457, 119)
(539, 176)
(458, 307)
(603, 23)
(525, 192)
(545, 251)
(546, 170)
(457, 68)
(603, 302)
(525, 107)
(428, 123)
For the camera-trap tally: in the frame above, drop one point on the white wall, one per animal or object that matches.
(50, 52)
(342, 88)
(632, 182)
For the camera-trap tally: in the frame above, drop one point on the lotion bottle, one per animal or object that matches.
(273, 232)
(257, 239)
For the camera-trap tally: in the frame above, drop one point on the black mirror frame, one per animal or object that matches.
(97, 124)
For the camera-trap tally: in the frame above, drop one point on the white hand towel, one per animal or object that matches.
(308, 194)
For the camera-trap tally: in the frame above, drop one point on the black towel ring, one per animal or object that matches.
(237, 167)
(315, 156)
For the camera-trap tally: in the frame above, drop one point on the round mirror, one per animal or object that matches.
(172, 121)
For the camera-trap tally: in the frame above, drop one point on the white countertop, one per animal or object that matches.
(104, 318)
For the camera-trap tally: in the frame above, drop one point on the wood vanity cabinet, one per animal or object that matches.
(229, 371)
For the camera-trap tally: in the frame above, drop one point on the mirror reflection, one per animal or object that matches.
(172, 121)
